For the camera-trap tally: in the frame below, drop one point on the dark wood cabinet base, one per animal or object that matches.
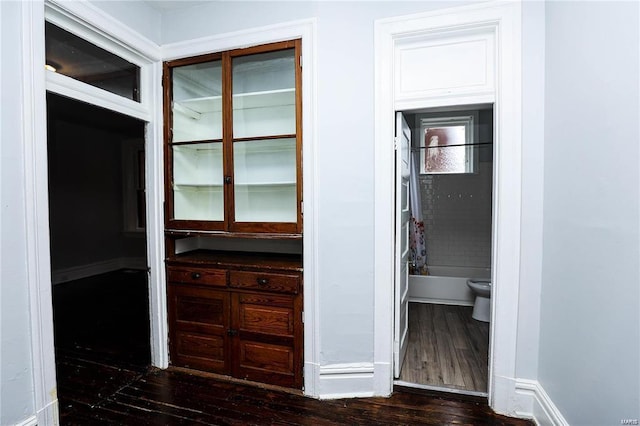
(237, 314)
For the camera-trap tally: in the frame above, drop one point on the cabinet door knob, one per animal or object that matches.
(227, 179)
(263, 281)
(195, 275)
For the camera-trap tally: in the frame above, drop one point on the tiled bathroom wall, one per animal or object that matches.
(457, 208)
(457, 217)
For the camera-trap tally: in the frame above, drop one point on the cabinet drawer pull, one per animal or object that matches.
(195, 275)
(263, 281)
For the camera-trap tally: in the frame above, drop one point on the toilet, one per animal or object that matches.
(481, 287)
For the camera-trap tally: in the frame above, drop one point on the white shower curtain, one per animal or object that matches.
(417, 244)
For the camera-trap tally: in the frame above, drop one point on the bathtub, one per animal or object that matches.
(445, 285)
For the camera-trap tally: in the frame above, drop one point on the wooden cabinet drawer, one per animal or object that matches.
(205, 276)
(264, 314)
(282, 283)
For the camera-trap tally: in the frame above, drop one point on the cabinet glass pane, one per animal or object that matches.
(197, 182)
(265, 180)
(197, 102)
(264, 94)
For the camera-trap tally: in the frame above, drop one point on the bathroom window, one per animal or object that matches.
(447, 145)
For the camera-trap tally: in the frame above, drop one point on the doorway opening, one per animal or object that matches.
(98, 250)
(443, 328)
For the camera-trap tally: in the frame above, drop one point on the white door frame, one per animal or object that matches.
(504, 19)
(99, 28)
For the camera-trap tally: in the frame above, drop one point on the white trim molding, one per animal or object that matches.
(34, 137)
(31, 421)
(304, 28)
(533, 402)
(306, 31)
(503, 21)
(75, 89)
(36, 183)
(154, 178)
(346, 380)
(98, 27)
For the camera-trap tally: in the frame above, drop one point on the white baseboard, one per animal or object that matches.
(540, 407)
(96, 268)
(346, 381)
(545, 411)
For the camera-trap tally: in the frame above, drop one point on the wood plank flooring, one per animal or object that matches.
(446, 348)
(102, 385)
(171, 397)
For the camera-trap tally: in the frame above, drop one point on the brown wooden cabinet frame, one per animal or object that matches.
(229, 225)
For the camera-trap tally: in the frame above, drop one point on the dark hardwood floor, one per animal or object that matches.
(104, 377)
(446, 348)
(101, 329)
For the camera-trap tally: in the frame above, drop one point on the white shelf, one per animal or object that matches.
(246, 184)
(269, 98)
(218, 185)
(196, 185)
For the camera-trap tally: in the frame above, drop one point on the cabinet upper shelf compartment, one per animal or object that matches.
(232, 141)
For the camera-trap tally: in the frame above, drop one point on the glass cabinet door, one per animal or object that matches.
(264, 94)
(264, 137)
(197, 102)
(195, 144)
(197, 182)
(265, 180)
(233, 142)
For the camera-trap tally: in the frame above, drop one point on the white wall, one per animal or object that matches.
(345, 117)
(16, 391)
(589, 324)
(590, 321)
(138, 15)
(533, 51)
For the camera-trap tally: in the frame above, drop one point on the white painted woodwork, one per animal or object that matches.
(445, 64)
(402, 219)
(31, 133)
(93, 25)
(503, 21)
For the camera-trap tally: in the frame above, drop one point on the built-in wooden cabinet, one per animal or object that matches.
(233, 133)
(237, 314)
(233, 172)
